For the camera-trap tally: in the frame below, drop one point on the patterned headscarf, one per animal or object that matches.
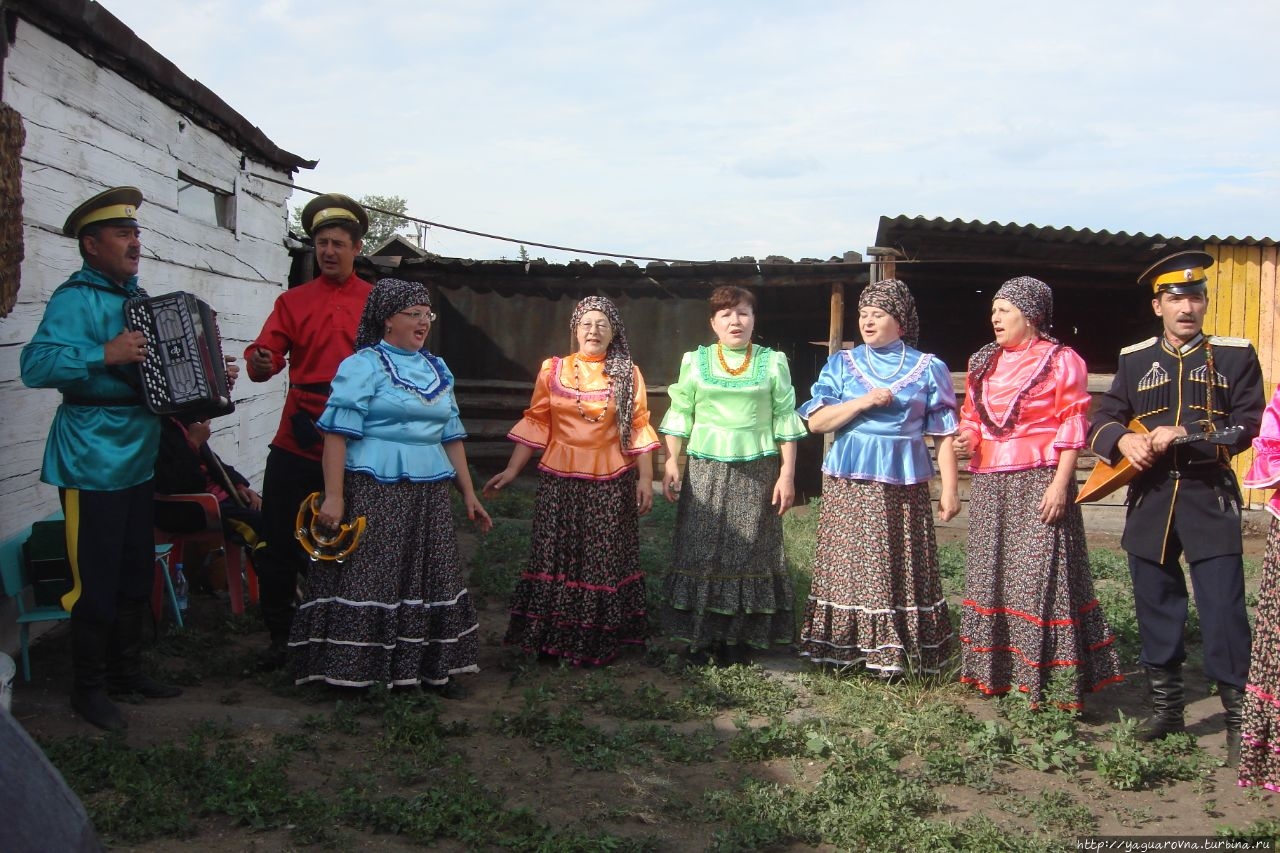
(1034, 299)
(617, 360)
(389, 296)
(892, 297)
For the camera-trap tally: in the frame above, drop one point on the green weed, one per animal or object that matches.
(951, 568)
(739, 687)
(778, 739)
(591, 747)
(499, 559)
(1056, 813)
(1132, 766)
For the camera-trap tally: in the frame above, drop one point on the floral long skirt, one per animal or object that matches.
(582, 596)
(729, 582)
(1029, 607)
(1260, 733)
(876, 598)
(396, 611)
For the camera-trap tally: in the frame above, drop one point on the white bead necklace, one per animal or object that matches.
(902, 359)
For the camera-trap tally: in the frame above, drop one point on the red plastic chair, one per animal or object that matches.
(240, 571)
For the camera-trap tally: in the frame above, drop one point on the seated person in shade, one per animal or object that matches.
(186, 465)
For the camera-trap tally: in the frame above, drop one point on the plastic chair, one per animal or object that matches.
(162, 571)
(240, 571)
(11, 567)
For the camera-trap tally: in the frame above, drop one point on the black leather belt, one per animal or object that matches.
(313, 387)
(1207, 469)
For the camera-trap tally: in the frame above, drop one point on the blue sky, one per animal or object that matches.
(718, 129)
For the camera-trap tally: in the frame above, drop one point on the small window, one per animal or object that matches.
(206, 204)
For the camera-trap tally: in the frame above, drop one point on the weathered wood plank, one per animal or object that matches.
(87, 128)
(1239, 295)
(1211, 312)
(1269, 283)
(1267, 312)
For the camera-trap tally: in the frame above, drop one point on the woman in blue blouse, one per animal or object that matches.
(396, 611)
(876, 598)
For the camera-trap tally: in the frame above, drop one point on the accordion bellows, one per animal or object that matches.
(184, 373)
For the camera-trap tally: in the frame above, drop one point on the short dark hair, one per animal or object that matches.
(729, 296)
(351, 229)
(91, 230)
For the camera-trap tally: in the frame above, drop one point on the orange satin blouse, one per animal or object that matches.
(564, 421)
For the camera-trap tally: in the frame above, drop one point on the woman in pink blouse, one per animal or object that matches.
(1260, 756)
(1029, 608)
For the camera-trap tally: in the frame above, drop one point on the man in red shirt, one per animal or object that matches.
(314, 326)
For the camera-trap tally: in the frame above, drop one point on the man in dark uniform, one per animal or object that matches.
(1185, 500)
(101, 454)
(313, 326)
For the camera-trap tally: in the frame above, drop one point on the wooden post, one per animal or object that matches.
(835, 334)
(835, 341)
(884, 262)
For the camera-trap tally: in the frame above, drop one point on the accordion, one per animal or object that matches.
(184, 373)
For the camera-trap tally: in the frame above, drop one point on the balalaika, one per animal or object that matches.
(184, 373)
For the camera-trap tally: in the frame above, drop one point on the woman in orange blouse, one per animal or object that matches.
(1029, 609)
(582, 595)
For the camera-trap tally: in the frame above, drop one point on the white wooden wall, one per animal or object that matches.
(89, 129)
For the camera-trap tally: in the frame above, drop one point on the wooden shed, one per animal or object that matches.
(500, 319)
(954, 267)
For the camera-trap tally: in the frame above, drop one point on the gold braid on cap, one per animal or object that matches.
(319, 546)
(328, 214)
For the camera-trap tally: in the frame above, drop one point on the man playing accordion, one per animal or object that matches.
(101, 454)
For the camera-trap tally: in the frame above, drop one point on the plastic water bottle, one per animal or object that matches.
(180, 587)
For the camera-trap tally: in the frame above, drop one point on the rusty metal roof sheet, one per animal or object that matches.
(1049, 234)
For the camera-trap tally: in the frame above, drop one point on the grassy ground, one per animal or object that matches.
(645, 755)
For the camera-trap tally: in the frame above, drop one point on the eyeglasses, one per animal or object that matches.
(599, 326)
(419, 316)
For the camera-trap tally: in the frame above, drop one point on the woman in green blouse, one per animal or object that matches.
(728, 591)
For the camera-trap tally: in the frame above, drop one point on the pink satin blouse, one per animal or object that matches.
(1052, 410)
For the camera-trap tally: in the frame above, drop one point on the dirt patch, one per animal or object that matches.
(502, 736)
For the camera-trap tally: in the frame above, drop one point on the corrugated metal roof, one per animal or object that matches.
(93, 31)
(1047, 233)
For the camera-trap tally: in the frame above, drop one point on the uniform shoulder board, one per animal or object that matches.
(1138, 346)
(1220, 341)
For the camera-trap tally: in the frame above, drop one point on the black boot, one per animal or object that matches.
(124, 660)
(1233, 704)
(89, 690)
(278, 590)
(1168, 702)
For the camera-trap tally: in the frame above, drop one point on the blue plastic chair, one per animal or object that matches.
(162, 569)
(11, 567)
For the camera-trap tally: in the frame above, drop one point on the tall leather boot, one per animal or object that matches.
(1168, 702)
(1233, 704)
(276, 587)
(124, 656)
(89, 688)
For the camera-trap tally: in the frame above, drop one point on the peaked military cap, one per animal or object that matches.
(1181, 272)
(118, 204)
(333, 207)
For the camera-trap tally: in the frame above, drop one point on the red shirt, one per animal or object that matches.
(314, 325)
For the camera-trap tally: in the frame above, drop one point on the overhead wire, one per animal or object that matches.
(903, 260)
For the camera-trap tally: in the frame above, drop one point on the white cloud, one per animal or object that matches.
(723, 128)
